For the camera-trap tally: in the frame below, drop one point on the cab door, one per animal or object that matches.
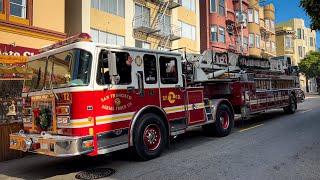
(172, 92)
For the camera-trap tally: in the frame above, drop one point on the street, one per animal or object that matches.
(271, 146)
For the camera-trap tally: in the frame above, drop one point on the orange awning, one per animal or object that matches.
(13, 59)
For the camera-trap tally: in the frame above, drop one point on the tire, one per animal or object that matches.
(292, 107)
(224, 122)
(149, 137)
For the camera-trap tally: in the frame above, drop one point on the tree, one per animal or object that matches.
(312, 8)
(310, 67)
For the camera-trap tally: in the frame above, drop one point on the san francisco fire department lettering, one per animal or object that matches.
(116, 104)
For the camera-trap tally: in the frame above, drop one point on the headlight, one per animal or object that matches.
(63, 120)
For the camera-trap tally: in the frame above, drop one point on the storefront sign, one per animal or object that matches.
(11, 50)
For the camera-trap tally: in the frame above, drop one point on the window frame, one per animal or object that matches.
(23, 5)
(144, 69)
(176, 69)
(211, 6)
(216, 33)
(250, 15)
(251, 37)
(5, 14)
(258, 40)
(222, 12)
(256, 16)
(224, 34)
(109, 11)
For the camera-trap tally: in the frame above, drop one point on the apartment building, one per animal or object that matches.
(223, 26)
(150, 24)
(295, 40)
(27, 25)
(261, 25)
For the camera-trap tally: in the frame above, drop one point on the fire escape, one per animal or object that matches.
(157, 24)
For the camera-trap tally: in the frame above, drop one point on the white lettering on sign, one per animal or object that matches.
(12, 53)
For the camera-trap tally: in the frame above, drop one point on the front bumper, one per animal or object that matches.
(52, 145)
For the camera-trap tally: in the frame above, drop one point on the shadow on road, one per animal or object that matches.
(40, 167)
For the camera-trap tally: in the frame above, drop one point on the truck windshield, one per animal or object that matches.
(67, 69)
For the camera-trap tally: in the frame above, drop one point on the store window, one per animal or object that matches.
(222, 7)
(141, 44)
(168, 70)
(213, 6)
(150, 69)
(18, 8)
(116, 7)
(214, 33)
(222, 35)
(251, 40)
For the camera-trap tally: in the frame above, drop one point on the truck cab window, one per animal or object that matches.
(168, 70)
(150, 69)
(124, 67)
(103, 76)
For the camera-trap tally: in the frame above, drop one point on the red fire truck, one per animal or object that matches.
(86, 98)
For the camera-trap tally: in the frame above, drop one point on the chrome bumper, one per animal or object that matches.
(51, 145)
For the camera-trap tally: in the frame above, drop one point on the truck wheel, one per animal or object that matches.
(224, 122)
(292, 107)
(149, 137)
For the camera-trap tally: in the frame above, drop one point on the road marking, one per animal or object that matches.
(302, 112)
(246, 129)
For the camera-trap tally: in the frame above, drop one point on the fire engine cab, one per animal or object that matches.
(86, 98)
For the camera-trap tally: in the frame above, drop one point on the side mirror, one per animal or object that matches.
(112, 64)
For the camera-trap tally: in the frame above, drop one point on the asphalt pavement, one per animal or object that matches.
(271, 146)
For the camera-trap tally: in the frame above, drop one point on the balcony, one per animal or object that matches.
(142, 24)
(171, 32)
(171, 3)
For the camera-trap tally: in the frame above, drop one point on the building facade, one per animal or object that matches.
(27, 25)
(221, 22)
(262, 41)
(150, 24)
(295, 40)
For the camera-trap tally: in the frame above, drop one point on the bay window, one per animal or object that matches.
(251, 40)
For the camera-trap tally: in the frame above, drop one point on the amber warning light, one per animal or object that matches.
(83, 37)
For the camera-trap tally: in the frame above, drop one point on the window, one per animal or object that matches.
(256, 16)
(251, 40)
(141, 44)
(115, 7)
(311, 41)
(1, 6)
(142, 16)
(213, 6)
(245, 43)
(103, 76)
(258, 41)
(124, 68)
(222, 7)
(267, 24)
(304, 52)
(189, 4)
(303, 34)
(165, 27)
(222, 37)
(273, 47)
(150, 68)
(272, 25)
(300, 51)
(299, 33)
(288, 41)
(214, 33)
(168, 70)
(18, 8)
(250, 15)
(107, 38)
(188, 31)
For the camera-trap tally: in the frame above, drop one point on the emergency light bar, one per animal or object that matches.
(82, 37)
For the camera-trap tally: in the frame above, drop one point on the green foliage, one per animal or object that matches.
(310, 65)
(312, 7)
